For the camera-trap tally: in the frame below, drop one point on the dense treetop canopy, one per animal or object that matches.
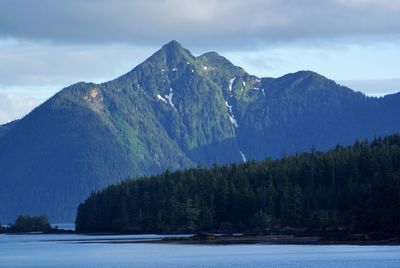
(352, 188)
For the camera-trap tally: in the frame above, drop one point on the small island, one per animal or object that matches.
(31, 224)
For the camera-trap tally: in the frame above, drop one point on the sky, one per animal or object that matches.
(46, 45)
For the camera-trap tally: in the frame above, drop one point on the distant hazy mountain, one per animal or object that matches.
(173, 111)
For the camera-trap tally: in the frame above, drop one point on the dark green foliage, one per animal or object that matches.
(24, 224)
(7, 127)
(353, 188)
(305, 109)
(3, 130)
(91, 135)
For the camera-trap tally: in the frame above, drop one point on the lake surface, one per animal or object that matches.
(65, 252)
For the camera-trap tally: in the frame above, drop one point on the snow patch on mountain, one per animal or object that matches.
(243, 157)
(231, 115)
(161, 98)
(231, 83)
(233, 120)
(169, 98)
(229, 106)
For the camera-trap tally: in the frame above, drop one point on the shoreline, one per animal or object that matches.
(311, 238)
(266, 240)
(207, 239)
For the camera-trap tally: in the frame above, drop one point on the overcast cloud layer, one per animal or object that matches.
(223, 23)
(46, 45)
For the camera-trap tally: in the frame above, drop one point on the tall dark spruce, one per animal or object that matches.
(172, 111)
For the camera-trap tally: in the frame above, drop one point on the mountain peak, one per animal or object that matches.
(220, 63)
(173, 44)
(210, 54)
(308, 73)
(173, 52)
(303, 75)
(174, 48)
(168, 57)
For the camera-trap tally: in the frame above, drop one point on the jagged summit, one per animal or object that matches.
(173, 45)
(168, 57)
(171, 58)
(174, 49)
(215, 59)
(173, 54)
(168, 71)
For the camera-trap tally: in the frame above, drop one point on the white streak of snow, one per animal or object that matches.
(161, 98)
(230, 114)
(174, 69)
(233, 121)
(229, 106)
(263, 92)
(231, 83)
(169, 98)
(243, 157)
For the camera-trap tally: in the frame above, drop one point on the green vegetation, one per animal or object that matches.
(352, 189)
(26, 224)
(173, 111)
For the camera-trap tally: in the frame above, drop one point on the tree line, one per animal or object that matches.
(354, 189)
(27, 224)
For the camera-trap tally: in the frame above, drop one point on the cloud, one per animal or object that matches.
(212, 23)
(376, 88)
(45, 64)
(14, 106)
(339, 61)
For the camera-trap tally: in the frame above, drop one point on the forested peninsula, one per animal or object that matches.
(351, 189)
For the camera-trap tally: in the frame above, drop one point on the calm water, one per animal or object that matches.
(48, 251)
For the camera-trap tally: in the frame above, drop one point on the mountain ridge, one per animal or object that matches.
(173, 111)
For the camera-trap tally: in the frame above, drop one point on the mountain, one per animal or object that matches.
(5, 128)
(173, 111)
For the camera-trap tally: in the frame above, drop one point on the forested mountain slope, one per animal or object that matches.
(173, 111)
